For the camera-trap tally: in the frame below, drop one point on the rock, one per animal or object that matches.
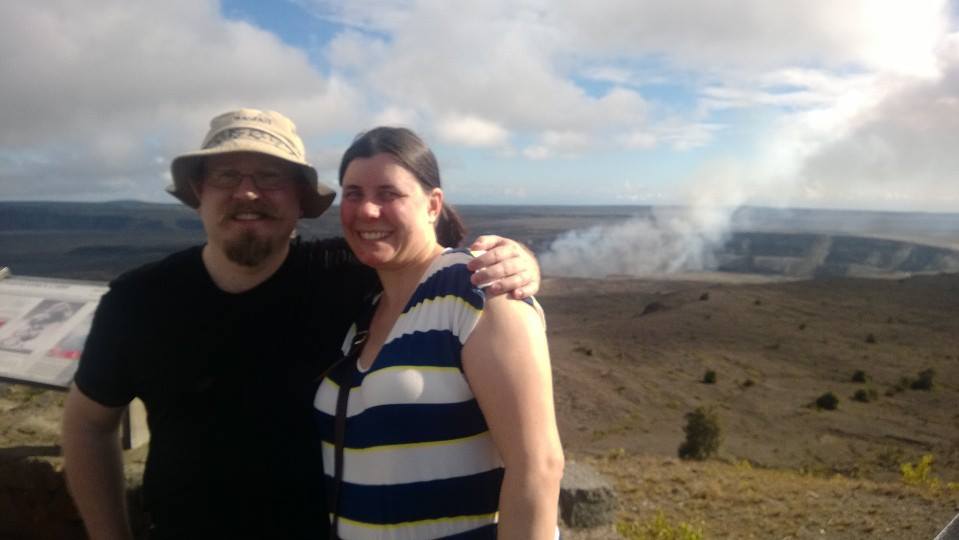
(586, 498)
(34, 499)
(653, 307)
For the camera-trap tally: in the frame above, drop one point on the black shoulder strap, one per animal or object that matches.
(342, 399)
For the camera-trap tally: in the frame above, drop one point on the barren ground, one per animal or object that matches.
(625, 380)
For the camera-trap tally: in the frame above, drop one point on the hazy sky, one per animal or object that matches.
(814, 103)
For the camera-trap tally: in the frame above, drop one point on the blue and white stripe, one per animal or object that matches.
(419, 461)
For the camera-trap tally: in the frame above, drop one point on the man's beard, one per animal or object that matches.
(248, 250)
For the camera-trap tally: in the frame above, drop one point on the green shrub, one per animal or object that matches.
(924, 381)
(919, 474)
(702, 434)
(827, 401)
(658, 528)
(902, 385)
(865, 395)
(709, 377)
(870, 338)
(748, 383)
(859, 376)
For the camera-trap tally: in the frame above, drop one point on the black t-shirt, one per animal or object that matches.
(228, 381)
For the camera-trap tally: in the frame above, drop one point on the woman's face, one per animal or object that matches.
(387, 217)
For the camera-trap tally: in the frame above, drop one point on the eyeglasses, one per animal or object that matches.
(263, 180)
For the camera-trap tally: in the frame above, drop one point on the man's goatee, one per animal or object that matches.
(249, 250)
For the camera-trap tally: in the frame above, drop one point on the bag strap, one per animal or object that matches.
(342, 400)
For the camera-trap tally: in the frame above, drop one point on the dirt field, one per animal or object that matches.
(629, 359)
(625, 380)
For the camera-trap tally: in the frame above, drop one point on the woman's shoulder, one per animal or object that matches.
(450, 265)
(448, 275)
(454, 256)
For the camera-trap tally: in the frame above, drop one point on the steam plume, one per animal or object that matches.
(667, 240)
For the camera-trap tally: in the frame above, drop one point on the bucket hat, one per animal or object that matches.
(251, 130)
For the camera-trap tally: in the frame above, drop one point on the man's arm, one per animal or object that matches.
(507, 266)
(94, 465)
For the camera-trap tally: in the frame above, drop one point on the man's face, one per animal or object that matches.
(249, 205)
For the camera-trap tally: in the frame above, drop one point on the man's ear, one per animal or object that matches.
(197, 187)
(301, 195)
(196, 181)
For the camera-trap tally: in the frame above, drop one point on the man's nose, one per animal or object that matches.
(246, 189)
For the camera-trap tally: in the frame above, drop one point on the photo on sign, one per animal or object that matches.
(71, 346)
(13, 306)
(41, 321)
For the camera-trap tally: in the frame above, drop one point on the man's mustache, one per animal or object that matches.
(251, 207)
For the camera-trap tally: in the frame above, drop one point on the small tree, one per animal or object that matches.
(709, 377)
(924, 382)
(702, 434)
(827, 401)
(859, 376)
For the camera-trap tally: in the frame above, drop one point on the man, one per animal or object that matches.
(224, 344)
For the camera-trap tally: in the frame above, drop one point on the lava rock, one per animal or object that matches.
(586, 498)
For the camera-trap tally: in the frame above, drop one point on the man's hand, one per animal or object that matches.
(506, 267)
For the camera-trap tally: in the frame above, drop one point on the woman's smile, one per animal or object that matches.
(373, 235)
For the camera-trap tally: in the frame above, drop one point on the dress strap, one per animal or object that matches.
(346, 383)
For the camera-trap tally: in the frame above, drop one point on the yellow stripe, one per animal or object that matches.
(448, 297)
(331, 383)
(384, 447)
(377, 526)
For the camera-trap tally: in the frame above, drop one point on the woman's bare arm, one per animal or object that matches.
(506, 361)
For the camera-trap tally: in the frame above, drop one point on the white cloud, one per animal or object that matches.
(397, 116)
(471, 131)
(537, 152)
(682, 136)
(638, 140)
(97, 89)
(756, 35)
(826, 100)
(901, 152)
(495, 61)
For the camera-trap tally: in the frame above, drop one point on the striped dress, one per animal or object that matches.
(418, 458)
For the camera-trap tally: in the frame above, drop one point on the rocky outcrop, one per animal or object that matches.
(586, 498)
(34, 499)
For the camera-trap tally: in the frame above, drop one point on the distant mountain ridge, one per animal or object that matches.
(111, 216)
(820, 255)
(100, 240)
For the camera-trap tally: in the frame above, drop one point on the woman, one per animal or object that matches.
(449, 425)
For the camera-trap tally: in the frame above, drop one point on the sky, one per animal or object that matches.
(819, 104)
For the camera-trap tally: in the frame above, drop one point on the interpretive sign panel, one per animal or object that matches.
(43, 325)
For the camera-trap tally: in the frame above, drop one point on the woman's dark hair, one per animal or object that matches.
(413, 154)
